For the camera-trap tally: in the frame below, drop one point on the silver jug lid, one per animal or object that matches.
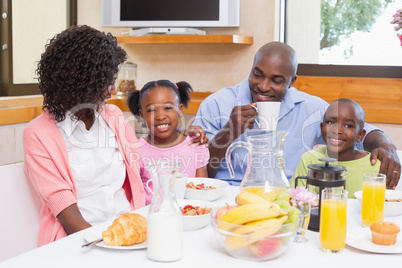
(325, 171)
(326, 167)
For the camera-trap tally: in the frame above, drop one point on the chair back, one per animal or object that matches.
(19, 223)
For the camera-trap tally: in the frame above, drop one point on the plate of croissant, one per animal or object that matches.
(128, 231)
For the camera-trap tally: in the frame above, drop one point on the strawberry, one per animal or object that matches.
(200, 186)
(200, 211)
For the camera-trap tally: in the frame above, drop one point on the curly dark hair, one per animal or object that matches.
(182, 90)
(77, 67)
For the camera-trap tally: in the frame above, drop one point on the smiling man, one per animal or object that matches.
(227, 116)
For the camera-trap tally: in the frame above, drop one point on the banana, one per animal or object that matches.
(264, 227)
(248, 213)
(283, 212)
(253, 232)
(246, 197)
(269, 222)
(233, 243)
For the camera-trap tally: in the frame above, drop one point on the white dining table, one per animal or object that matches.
(201, 249)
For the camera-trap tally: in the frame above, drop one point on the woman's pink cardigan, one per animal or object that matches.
(47, 166)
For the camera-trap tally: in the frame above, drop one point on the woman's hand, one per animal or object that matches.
(197, 133)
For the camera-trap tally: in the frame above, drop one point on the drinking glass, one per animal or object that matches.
(373, 198)
(305, 210)
(333, 219)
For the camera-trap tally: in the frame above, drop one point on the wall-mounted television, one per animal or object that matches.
(170, 13)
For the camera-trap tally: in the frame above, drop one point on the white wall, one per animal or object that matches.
(28, 16)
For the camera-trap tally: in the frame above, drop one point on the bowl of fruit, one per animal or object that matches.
(255, 228)
(195, 213)
(205, 189)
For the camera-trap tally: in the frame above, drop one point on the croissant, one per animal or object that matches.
(128, 229)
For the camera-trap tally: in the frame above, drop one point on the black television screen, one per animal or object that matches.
(172, 10)
(170, 13)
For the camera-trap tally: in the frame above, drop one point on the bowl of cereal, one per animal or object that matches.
(205, 189)
(393, 202)
(195, 213)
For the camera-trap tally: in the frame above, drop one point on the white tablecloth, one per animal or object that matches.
(201, 249)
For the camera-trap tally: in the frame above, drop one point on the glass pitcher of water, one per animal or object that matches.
(265, 173)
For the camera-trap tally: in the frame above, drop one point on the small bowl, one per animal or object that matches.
(206, 194)
(196, 221)
(253, 247)
(391, 209)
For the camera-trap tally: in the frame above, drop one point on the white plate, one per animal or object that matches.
(95, 232)
(361, 239)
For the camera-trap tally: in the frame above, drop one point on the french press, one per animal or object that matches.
(319, 177)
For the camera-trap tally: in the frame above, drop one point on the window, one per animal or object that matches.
(26, 26)
(343, 37)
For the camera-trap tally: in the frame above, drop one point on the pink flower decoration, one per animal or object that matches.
(294, 191)
(400, 38)
(398, 21)
(394, 21)
(302, 195)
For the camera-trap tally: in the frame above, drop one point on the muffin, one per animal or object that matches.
(384, 233)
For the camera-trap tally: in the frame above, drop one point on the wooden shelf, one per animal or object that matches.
(186, 39)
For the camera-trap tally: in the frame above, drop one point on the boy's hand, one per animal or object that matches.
(197, 133)
(390, 164)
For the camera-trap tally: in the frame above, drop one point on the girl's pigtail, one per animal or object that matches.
(185, 90)
(133, 102)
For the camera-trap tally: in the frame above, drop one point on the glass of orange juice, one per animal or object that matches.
(333, 219)
(373, 198)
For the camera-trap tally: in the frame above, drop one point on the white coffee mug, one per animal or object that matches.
(179, 185)
(268, 114)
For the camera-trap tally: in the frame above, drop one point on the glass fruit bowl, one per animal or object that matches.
(258, 243)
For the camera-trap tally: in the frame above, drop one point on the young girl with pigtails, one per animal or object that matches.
(160, 106)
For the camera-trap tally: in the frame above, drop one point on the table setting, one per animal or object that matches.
(261, 222)
(200, 248)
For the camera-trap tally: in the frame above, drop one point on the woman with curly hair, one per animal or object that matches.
(81, 154)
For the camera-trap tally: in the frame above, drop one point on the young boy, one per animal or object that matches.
(342, 126)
